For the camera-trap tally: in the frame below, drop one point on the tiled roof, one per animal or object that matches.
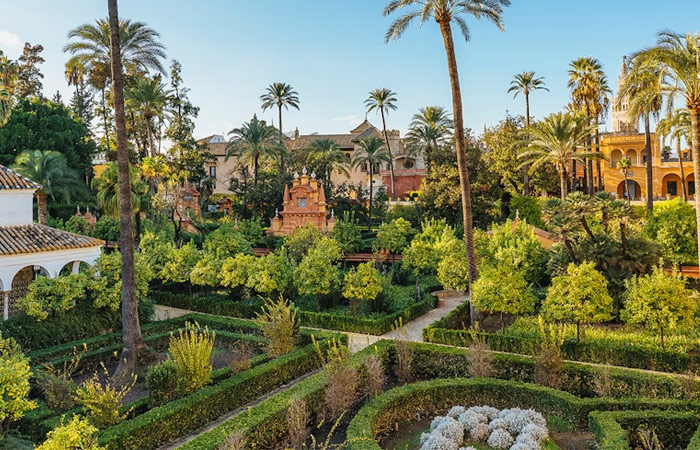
(34, 238)
(369, 132)
(9, 179)
(344, 141)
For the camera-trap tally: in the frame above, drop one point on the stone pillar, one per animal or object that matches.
(76, 267)
(6, 305)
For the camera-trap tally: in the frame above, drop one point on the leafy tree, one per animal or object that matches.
(51, 171)
(453, 272)
(503, 290)
(513, 245)
(579, 296)
(14, 389)
(236, 270)
(5, 105)
(326, 156)
(49, 296)
(53, 128)
(383, 100)
(301, 241)
(527, 208)
(148, 98)
(107, 229)
(271, 274)
(280, 95)
(317, 273)
(82, 101)
(525, 83)
(207, 271)
(428, 247)
(156, 250)
(28, 74)
(446, 14)
(347, 234)
(660, 302)
(106, 289)
(180, 263)
(672, 224)
(362, 284)
(107, 186)
(371, 153)
(394, 236)
(226, 241)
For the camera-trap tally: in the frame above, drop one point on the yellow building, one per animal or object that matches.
(626, 141)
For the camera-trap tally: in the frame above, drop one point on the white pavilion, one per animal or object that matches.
(29, 250)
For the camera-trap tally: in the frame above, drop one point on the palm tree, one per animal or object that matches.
(624, 166)
(428, 131)
(644, 86)
(132, 339)
(280, 95)
(678, 56)
(107, 187)
(327, 156)
(49, 169)
(554, 140)
(149, 97)
(5, 105)
(382, 100)
(448, 13)
(525, 83)
(370, 154)
(8, 73)
(579, 206)
(590, 93)
(141, 51)
(676, 125)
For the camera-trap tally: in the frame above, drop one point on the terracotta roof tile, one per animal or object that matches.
(9, 179)
(34, 238)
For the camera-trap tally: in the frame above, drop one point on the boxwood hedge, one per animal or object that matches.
(618, 430)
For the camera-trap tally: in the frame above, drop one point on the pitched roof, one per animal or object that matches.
(34, 238)
(369, 132)
(9, 179)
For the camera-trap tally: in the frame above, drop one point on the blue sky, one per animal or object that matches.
(333, 52)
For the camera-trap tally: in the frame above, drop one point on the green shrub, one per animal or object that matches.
(162, 383)
(619, 430)
(102, 401)
(76, 434)
(191, 351)
(280, 326)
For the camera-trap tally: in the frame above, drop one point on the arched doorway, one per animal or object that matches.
(20, 283)
(671, 185)
(633, 189)
(73, 267)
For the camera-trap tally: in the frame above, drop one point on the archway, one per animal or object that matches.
(671, 185)
(633, 156)
(74, 267)
(633, 188)
(20, 284)
(615, 156)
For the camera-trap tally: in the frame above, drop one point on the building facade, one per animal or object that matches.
(409, 171)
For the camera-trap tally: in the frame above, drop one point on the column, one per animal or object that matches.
(76, 267)
(6, 305)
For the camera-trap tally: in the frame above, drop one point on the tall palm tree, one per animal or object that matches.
(327, 156)
(280, 95)
(149, 98)
(448, 13)
(676, 125)
(554, 140)
(370, 154)
(8, 73)
(49, 169)
(644, 86)
(107, 187)
(589, 93)
(678, 56)
(430, 129)
(525, 83)
(624, 165)
(133, 344)
(382, 100)
(90, 49)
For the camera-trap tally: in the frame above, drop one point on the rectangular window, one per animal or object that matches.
(212, 171)
(672, 188)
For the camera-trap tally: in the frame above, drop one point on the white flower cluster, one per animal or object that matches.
(513, 429)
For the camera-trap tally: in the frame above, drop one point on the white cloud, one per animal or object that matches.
(351, 119)
(8, 39)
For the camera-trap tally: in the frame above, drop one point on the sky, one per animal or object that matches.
(333, 53)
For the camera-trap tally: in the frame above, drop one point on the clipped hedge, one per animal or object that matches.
(163, 424)
(220, 304)
(448, 330)
(411, 401)
(618, 430)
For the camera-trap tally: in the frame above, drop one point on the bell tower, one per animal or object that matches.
(620, 120)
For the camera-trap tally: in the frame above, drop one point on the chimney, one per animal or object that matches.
(296, 133)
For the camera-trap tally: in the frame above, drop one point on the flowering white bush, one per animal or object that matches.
(513, 429)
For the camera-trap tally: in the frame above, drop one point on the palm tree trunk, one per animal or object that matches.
(131, 330)
(104, 117)
(650, 177)
(562, 184)
(391, 156)
(371, 191)
(625, 188)
(597, 163)
(574, 173)
(680, 166)
(149, 133)
(695, 149)
(589, 142)
(526, 168)
(281, 141)
(41, 207)
(461, 151)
